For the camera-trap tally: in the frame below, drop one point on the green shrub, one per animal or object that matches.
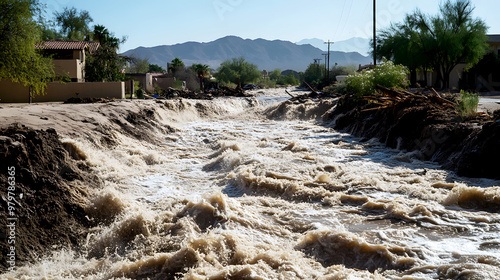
(266, 83)
(467, 104)
(361, 84)
(386, 74)
(287, 80)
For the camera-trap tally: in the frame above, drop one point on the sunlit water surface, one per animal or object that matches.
(235, 195)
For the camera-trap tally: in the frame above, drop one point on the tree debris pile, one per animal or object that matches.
(425, 122)
(391, 97)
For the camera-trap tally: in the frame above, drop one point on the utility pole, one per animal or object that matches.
(374, 32)
(325, 54)
(328, 67)
(317, 62)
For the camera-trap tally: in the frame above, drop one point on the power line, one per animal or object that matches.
(340, 19)
(348, 16)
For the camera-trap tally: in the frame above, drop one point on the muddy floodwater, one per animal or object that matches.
(246, 188)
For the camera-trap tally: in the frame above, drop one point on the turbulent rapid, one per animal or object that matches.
(261, 188)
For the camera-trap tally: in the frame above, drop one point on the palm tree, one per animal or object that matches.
(175, 65)
(104, 37)
(202, 71)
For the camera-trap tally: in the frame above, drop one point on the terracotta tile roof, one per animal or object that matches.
(68, 45)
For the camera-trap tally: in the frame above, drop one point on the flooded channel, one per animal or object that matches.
(243, 189)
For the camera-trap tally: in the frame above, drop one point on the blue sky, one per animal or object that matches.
(166, 22)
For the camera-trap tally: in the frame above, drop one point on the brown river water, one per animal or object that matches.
(235, 194)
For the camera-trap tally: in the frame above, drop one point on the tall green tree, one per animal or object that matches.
(105, 64)
(439, 42)
(314, 74)
(404, 44)
(175, 65)
(288, 79)
(74, 24)
(275, 75)
(19, 60)
(237, 71)
(49, 29)
(155, 68)
(138, 65)
(202, 71)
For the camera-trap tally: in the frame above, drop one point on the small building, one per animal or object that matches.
(152, 81)
(68, 57)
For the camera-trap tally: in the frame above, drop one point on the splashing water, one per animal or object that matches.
(232, 194)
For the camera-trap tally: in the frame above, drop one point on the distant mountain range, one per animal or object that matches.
(267, 55)
(356, 44)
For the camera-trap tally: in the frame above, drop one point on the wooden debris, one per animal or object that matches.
(310, 88)
(391, 97)
(438, 97)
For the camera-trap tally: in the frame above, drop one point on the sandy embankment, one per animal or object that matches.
(70, 119)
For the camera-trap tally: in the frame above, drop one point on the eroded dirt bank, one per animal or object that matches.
(46, 197)
(432, 129)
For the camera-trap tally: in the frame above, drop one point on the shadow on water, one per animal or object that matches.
(234, 191)
(377, 152)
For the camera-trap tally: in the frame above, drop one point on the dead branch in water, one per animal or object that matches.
(310, 88)
(289, 93)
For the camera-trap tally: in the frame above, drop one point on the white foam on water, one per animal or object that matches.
(235, 194)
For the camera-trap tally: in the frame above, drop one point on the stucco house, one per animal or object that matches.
(461, 76)
(68, 57)
(485, 76)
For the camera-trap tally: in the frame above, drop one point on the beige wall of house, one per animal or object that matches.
(13, 92)
(16, 93)
(455, 76)
(72, 67)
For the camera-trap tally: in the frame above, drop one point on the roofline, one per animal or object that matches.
(86, 44)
